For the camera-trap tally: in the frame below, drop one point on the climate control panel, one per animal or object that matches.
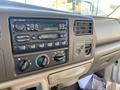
(39, 62)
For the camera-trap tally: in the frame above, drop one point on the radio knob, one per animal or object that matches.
(59, 57)
(42, 61)
(19, 26)
(23, 65)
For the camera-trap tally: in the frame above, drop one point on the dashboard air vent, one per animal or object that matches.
(83, 27)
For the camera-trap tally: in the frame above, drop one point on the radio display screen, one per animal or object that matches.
(49, 27)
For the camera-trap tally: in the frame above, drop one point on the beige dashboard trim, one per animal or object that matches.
(38, 78)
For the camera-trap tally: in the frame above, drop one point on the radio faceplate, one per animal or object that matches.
(48, 37)
(38, 34)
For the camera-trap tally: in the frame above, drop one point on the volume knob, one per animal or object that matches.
(59, 57)
(23, 65)
(42, 61)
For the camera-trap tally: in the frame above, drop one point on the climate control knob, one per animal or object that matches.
(23, 65)
(42, 61)
(59, 57)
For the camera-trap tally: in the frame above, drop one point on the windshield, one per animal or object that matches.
(83, 7)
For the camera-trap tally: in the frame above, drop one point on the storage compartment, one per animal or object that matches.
(69, 76)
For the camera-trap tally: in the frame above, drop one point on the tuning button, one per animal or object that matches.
(42, 61)
(59, 57)
(23, 65)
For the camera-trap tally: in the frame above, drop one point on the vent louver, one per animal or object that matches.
(83, 27)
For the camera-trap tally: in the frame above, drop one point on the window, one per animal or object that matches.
(83, 7)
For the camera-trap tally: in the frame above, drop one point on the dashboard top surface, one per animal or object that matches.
(10, 7)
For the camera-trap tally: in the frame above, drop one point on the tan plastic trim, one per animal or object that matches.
(38, 78)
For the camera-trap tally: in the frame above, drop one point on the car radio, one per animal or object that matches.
(29, 35)
(46, 36)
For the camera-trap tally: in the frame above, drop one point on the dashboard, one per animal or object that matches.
(41, 47)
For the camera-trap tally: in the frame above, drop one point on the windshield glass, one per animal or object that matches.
(83, 7)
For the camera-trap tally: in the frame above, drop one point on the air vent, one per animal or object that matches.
(83, 27)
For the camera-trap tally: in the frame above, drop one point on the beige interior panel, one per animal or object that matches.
(68, 75)
(38, 78)
(107, 30)
(104, 61)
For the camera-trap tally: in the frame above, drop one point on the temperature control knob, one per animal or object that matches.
(59, 57)
(42, 61)
(23, 65)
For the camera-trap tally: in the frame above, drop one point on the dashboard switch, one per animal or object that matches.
(23, 65)
(88, 49)
(59, 57)
(42, 61)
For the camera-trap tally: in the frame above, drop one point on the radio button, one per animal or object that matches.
(57, 43)
(62, 36)
(22, 38)
(41, 45)
(19, 48)
(50, 44)
(37, 27)
(34, 37)
(64, 42)
(32, 46)
(32, 26)
(20, 26)
(28, 27)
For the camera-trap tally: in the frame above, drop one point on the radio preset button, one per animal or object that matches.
(64, 43)
(50, 44)
(21, 48)
(57, 43)
(41, 45)
(32, 46)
